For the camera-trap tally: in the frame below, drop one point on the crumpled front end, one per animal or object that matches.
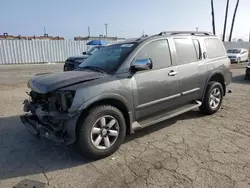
(48, 117)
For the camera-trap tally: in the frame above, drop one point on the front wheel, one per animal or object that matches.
(213, 98)
(101, 133)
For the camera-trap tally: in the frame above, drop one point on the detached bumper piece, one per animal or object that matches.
(37, 129)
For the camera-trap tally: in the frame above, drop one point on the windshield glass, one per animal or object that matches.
(233, 51)
(109, 58)
(92, 50)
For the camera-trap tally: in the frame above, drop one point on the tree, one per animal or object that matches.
(213, 20)
(225, 22)
(234, 15)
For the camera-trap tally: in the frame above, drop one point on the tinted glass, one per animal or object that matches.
(214, 48)
(197, 48)
(185, 51)
(109, 58)
(158, 51)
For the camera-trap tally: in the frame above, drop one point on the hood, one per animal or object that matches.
(73, 58)
(79, 57)
(51, 81)
(232, 54)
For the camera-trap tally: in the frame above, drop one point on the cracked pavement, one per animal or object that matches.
(188, 151)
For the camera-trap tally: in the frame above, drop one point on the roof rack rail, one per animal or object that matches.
(184, 32)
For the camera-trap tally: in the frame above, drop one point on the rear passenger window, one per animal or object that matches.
(158, 51)
(197, 48)
(214, 48)
(185, 51)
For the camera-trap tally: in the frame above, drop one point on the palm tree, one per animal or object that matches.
(213, 21)
(232, 26)
(225, 22)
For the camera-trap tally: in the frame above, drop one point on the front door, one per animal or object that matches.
(157, 89)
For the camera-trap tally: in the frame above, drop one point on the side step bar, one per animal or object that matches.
(167, 115)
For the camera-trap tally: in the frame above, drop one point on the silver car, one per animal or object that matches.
(238, 55)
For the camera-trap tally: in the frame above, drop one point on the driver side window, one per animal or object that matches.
(158, 51)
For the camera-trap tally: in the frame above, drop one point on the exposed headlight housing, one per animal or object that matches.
(65, 98)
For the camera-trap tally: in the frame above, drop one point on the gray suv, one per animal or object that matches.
(128, 86)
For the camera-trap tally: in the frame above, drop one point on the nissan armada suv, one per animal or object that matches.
(128, 86)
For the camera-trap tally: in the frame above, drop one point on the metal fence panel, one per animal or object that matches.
(40, 51)
(237, 45)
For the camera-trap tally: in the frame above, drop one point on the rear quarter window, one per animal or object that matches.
(215, 48)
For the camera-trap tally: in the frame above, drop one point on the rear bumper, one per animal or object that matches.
(228, 78)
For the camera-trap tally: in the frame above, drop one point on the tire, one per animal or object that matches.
(87, 135)
(206, 107)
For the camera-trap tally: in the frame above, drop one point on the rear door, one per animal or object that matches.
(188, 57)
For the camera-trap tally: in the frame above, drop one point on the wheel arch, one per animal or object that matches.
(218, 77)
(114, 100)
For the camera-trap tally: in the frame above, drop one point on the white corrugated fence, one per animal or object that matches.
(39, 51)
(46, 51)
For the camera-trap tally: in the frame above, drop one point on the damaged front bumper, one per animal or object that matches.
(61, 134)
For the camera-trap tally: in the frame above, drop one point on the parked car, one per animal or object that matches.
(238, 55)
(247, 74)
(128, 86)
(73, 62)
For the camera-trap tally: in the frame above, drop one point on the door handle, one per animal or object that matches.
(172, 73)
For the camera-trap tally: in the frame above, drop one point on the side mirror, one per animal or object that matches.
(84, 53)
(142, 64)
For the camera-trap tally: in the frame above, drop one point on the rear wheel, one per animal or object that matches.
(213, 98)
(101, 133)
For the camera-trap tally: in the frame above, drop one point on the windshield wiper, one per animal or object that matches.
(93, 68)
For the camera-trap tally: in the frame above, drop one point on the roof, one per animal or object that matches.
(167, 33)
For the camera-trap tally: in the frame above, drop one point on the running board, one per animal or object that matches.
(162, 117)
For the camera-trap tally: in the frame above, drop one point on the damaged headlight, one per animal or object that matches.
(65, 99)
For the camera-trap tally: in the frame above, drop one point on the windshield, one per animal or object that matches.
(92, 50)
(109, 58)
(233, 51)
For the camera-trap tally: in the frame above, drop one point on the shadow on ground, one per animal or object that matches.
(22, 154)
(240, 79)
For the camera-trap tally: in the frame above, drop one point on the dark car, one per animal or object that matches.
(247, 75)
(128, 86)
(73, 62)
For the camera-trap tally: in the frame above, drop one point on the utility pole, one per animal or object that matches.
(225, 22)
(249, 35)
(232, 26)
(213, 19)
(44, 31)
(89, 31)
(106, 29)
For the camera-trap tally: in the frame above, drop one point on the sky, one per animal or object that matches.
(125, 18)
